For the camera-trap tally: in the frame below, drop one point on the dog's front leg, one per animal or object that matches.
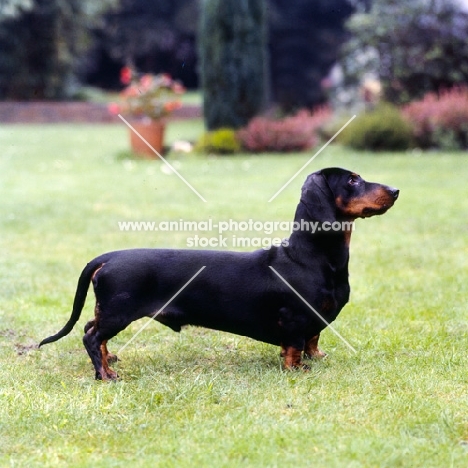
(311, 349)
(292, 343)
(292, 356)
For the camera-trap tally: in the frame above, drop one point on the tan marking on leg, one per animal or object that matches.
(107, 373)
(292, 359)
(311, 349)
(97, 312)
(283, 351)
(110, 357)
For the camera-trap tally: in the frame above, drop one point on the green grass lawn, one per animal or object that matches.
(210, 399)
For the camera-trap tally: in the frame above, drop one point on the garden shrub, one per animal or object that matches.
(333, 125)
(221, 141)
(233, 63)
(440, 121)
(293, 133)
(382, 129)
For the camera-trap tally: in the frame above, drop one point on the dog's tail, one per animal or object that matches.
(79, 301)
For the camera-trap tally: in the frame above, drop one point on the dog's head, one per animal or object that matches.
(334, 193)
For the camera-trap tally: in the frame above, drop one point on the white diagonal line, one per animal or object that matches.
(313, 310)
(161, 309)
(164, 160)
(312, 158)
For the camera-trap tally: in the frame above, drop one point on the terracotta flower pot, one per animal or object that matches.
(153, 132)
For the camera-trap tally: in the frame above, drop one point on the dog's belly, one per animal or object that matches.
(257, 321)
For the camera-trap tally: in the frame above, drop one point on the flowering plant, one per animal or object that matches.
(440, 119)
(150, 96)
(293, 133)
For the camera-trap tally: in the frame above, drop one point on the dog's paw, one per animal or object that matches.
(298, 367)
(316, 355)
(112, 358)
(107, 376)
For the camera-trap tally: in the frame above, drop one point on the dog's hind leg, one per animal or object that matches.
(96, 347)
(97, 333)
(111, 358)
(89, 325)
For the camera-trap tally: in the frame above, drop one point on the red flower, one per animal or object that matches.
(172, 106)
(131, 91)
(113, 108)
(166, 79)
(146, 81)
(148, 95)
(178, 88)
(126, 75)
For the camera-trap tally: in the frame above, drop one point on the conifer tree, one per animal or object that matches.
(233, 61)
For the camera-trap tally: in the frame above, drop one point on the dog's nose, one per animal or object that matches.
(395, 192)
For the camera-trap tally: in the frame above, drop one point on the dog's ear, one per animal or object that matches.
(318, 198)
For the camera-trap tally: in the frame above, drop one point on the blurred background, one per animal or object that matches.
(51, 49)
(237, 59)
(59, 49)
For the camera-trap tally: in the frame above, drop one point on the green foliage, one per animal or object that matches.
(12, 8)
(413, 47)
(221, 141)
(329, 129)
(156, 36)
(305, 37)
(41, 46)
(440, 120)
(232, 61)
(293, 133)
(381, 129)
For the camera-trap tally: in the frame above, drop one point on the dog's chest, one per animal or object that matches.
(329, 291)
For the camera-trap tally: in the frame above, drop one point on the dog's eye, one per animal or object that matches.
(353, 180)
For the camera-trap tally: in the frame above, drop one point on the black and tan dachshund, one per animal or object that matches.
(238, 292)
